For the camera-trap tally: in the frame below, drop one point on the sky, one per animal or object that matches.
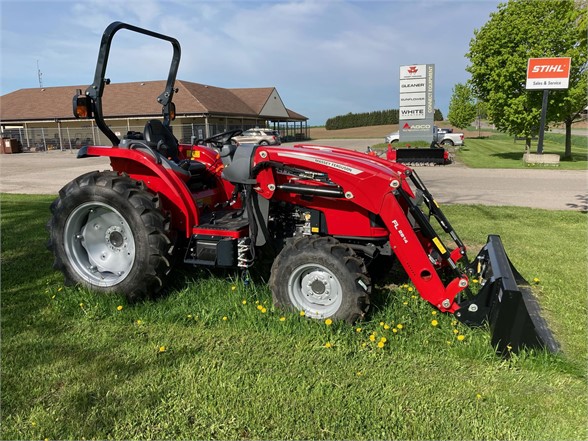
(325, 57)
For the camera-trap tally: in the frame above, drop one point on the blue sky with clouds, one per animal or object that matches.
(325, 57)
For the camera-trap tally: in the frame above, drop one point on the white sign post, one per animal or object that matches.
(417, 107)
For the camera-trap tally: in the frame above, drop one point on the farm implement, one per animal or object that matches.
(330, 218)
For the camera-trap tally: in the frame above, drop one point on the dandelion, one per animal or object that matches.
(455, 331)
(328, 345)
(189, 316)
(433, 312)
(81, 305)
(381, 344)
(399, 326)
(410, 289)
(405, 303)
(357, 329)
(509, 348)
(478, 396)
(263, 310)
(302, 313)
(52, 297)
(61, 288)
(372, 337)
(359, 373)
(454, 323)
(460, 337)
(405, 286)
(383, 339)
(225, 318)
(119, 308)
(395, 330)
(139, 322)
(536, 280)
(162, 349)
(434, 322)
(244, 302)
(386, 326)
(474, 281)
(382, 324)
(328, 322)
(260, 307)
(233, 288)
(282, 319)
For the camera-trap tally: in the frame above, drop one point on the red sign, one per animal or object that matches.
(548, 73)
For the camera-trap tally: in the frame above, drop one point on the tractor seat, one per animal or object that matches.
(161, 138)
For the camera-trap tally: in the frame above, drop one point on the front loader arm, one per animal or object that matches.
(416, 261)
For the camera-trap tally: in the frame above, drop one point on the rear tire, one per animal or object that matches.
(322, 277)
(448, 142)
(108, 234)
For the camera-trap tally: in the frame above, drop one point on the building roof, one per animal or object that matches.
(139, 99)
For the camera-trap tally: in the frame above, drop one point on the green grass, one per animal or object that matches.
(501, 151)
(74, 366)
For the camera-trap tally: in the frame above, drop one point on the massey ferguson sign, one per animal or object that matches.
(417, 108)
(548, 73)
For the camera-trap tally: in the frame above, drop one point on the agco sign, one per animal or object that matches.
(416, 127)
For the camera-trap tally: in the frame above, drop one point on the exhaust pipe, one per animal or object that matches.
(505, 301)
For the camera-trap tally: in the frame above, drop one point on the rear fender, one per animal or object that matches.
(159, 176)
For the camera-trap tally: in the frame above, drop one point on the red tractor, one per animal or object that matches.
(330, 216)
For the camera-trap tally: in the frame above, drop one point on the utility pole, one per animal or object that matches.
(39, 75)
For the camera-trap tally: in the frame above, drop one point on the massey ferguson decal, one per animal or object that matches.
(311, 158)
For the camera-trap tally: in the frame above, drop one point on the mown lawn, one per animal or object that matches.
(212, 359)
(502, 151)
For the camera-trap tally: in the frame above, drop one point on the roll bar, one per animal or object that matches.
(95, 91)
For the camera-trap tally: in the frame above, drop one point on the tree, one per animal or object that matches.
(499, 53)
(462, 106)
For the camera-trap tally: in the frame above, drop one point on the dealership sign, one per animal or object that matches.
(548, 73)
(417, 109)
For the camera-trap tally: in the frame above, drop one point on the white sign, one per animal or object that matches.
(413, 72)
(548, 73)
(410, 86)
(413, 99)
(413, 112)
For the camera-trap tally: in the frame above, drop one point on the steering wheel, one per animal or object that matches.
(223, 138)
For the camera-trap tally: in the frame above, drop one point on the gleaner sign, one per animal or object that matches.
(548, 73)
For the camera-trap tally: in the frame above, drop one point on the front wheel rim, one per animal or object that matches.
(99, 244)
(315, 290)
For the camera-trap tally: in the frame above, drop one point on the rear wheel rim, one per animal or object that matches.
(99, 244)
(315, 290)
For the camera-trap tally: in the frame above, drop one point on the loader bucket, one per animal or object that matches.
(506, 302)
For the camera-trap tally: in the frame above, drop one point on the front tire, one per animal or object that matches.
(322, 277)
(108, 234)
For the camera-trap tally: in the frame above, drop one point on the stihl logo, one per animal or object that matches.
(412, 70)
(548, 68)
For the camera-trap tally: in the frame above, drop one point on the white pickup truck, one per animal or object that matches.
(442, 137)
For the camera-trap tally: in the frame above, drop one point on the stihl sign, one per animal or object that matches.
(548, 73)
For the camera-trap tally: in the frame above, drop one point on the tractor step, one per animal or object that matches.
(228, 223)
(215, 241)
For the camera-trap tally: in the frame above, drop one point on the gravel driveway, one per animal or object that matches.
(46, 173)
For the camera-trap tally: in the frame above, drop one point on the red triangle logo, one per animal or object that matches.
(406, 126)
